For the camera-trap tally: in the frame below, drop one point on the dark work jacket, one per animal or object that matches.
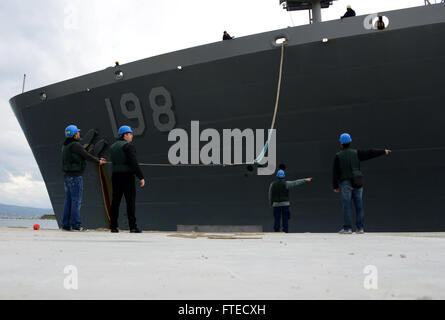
(132, 162)
(227, 37)
(119, 157)
(77, 148)
(349, 13)
(363, 155)
(279, 191)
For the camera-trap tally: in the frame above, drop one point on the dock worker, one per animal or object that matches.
(349, 12)
(125, 168)
(348, 180)
(74, 158)
(279, 199)
(227, 36)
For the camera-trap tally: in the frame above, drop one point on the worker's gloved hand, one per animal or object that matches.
(308, 179)
(102, 161)
(142, 183)
(387, 151)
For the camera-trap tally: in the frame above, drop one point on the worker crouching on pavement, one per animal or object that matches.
(279, 199)
(74, 158)
(125, 167)
(348, 179)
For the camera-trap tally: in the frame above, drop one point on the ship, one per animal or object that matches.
(381, 84)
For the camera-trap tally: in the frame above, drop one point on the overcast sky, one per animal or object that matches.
(54, 40)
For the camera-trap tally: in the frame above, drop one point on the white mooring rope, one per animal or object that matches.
(266, 146)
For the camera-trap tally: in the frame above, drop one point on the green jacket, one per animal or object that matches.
(279, 192)
(72, 162)
(349, 164)
(119, 158)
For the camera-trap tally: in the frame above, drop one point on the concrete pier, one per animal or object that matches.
(159, 265)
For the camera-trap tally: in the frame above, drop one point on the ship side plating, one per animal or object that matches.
(381, 86)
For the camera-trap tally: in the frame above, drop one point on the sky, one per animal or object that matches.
(55, 40)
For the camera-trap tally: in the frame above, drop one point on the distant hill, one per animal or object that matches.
(7, 211)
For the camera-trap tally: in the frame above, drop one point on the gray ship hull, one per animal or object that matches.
(383, 87)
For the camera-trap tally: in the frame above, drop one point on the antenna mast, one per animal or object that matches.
(24, 80)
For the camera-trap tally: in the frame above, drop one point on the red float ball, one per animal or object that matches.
(36, 227)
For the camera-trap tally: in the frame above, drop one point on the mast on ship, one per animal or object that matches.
(314, 7)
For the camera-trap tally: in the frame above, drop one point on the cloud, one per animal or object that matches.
(24, 190)
(54, 40)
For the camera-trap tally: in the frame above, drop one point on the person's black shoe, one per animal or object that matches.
(114, 230)
(80, 229)
(136, 230)
(66, 229)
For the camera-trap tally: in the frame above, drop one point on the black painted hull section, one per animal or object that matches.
(383, 88)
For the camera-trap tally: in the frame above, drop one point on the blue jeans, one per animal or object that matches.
(279, 212)
(73, 201)
(349, 195)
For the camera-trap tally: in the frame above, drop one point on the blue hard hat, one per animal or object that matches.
(281, 174)
(124, 129)
(345, 138)
(71, 130)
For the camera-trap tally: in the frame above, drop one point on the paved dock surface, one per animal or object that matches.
(166, 265)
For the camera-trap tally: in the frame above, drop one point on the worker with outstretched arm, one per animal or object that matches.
(74, 158)
(279, 199)
(348, 180)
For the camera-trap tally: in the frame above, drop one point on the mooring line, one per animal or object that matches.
(260, 157)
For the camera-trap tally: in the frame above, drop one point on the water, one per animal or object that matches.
(29, 223)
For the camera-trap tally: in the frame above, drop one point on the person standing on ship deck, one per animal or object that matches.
(348, 180)
(279, 199)
(74, 158)
(349, 12)
(125, 168)
(227, 36)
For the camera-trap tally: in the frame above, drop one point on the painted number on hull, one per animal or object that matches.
(160, 102)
